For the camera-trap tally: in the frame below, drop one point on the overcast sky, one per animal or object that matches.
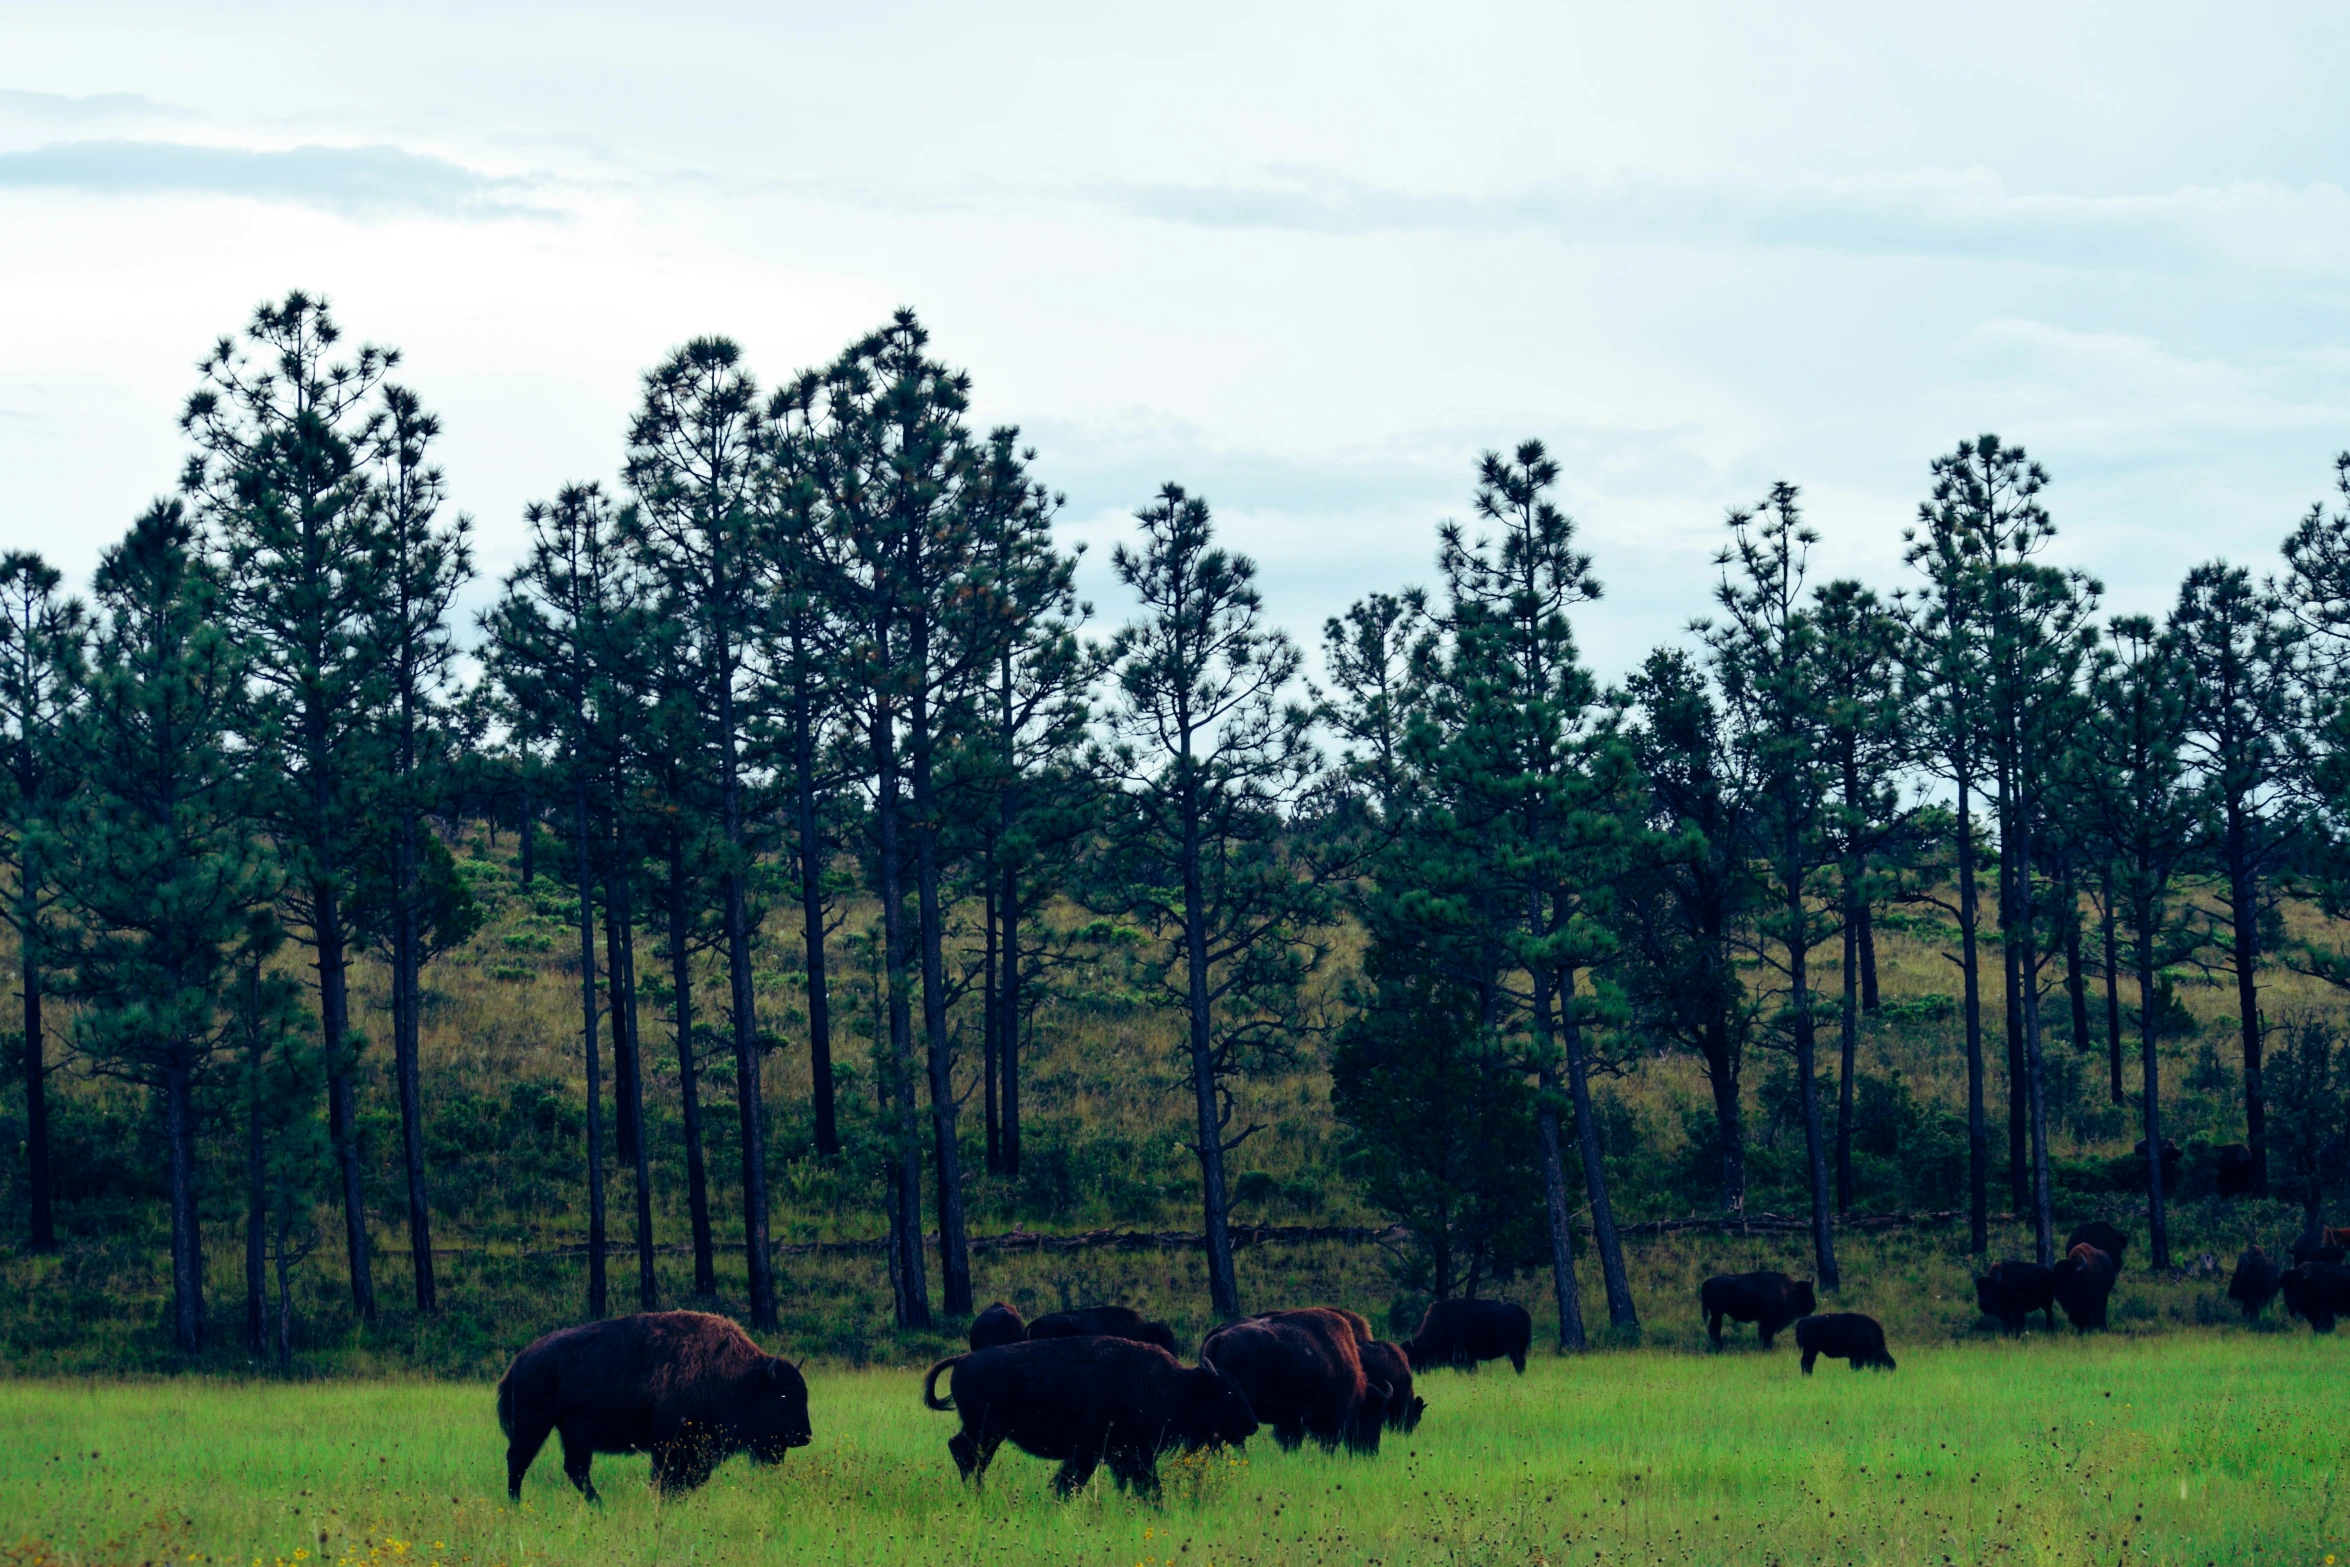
(1308, 261)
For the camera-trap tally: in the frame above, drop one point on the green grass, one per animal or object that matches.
(2194, 1448)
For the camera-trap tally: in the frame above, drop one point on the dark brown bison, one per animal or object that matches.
(2320, 1244)
(1843, 1335)
(2012, 1291)
(1768, 1300)
(2082, 1283)
(2317, 1293)
(1385, 1362)
(687, 1387)
(2103, 1236)
(1460, 1333)
(1085, 1401)
(2234, 1172)
(1303, 1374)
(998, 1324)
(1105, 1322)
(2255, 1283)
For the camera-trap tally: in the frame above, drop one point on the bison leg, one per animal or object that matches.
(577, 1455)
(1084, 1457)
(681, 1464)
(1518, 1361)
(1713, 1327)
(521, 1447)
(1765, 1331)
(1809, 1356)
(1136, 1470)
(974, 1451)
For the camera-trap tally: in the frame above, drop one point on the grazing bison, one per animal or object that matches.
(2170, 1158)
(2082, 1283)
(687, 1387)
(1385, 1362)
(2320, 1244)
(1087, 1400)
(998, 1324)
(1303, 1374)
(2317, 1292)
(1843, 1335)
(2012, 1291)
(2104, 1237)
(1768, 1300)
(2255, 1283)
(2235, 1173)
(1460, 1333)
(1105, 1322)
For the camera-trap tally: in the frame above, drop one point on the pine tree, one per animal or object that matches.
(167, 883)
(43, 645)
(285, 442)
(1211, 756)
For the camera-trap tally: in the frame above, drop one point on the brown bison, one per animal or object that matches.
(1085, 1401)
(1303, 1374)
(1460, 1333)
(2012, 1291)
(2321, 1244)
(2104, 1237)
(1843, 1335)
(2317, 1293)
(2082, 1283)
(1105, 1322)
(687, 1387)
(998, 1324)
(2255, 1283)
(1768, 1300)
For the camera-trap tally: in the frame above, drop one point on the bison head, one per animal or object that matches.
(1806, 1303)
(1219, 1415)
(1987, 1292)
(773, 1418)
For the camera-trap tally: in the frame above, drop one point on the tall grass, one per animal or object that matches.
(2197, 1449)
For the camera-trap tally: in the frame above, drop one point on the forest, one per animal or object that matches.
(785, 893)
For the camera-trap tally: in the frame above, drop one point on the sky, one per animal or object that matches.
(1307, 260)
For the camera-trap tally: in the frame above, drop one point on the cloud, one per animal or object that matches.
(1966, 214)
(369, 181)
(57, 107)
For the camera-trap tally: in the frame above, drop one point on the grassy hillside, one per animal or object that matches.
(503, 1088)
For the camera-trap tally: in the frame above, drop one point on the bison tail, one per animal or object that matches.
(930, 1396)
(506, 1403)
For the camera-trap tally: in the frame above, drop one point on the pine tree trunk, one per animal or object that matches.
(2244, 918)
(1621, 1314)
(821, 1093)
(990, 1007)
(1868, 959)
(342, 1109)
(624, 1076)
(38, 1192)
(187, 1245)
(2019, 1091)
(1978, 1130)
(1849, 1032)
(2036, 1079)
(1823, 1224)
(406, 999)
(1721, 1074)
(913, 1298)
(598, 1301)
(681, 980)
(2150, 1082)
(750, 1113)
(1223, 1278)
(2076, 981)
(530, 839)
(2113, 1003)
(1009, 1041)
(628, 1068)
(1556, 1210)
(954, 1256)
(256, 1203)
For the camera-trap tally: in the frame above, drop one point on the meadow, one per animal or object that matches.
(2201, 1447)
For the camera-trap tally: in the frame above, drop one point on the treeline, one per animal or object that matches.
(816, 656)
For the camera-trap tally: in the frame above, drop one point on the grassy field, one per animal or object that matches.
(2194, 1448)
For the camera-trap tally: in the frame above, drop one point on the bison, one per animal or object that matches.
(1085, 1401)
(2082, 1283)
(687, 1387)
(1105, 1322)
(1843, 1335)
(2103, 1236)
(2317, 1292)
(2234, 1172)
(2012, 1291)
(1768, 1300)
(2255, 1283)
(2320, 1244)
(1385, 1362)
(1460, 1333)
(1303, 1374)
(998, 1324)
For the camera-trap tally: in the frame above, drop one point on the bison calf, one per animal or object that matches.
(2082, 1283)
(1460, 1333)
(1843, 1335)
(1086, 1401)
(998, 1324)
(2255, 1283)
(687, 1387)
(1105, 1322)
(1768, 1300)
(2012, 1291)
